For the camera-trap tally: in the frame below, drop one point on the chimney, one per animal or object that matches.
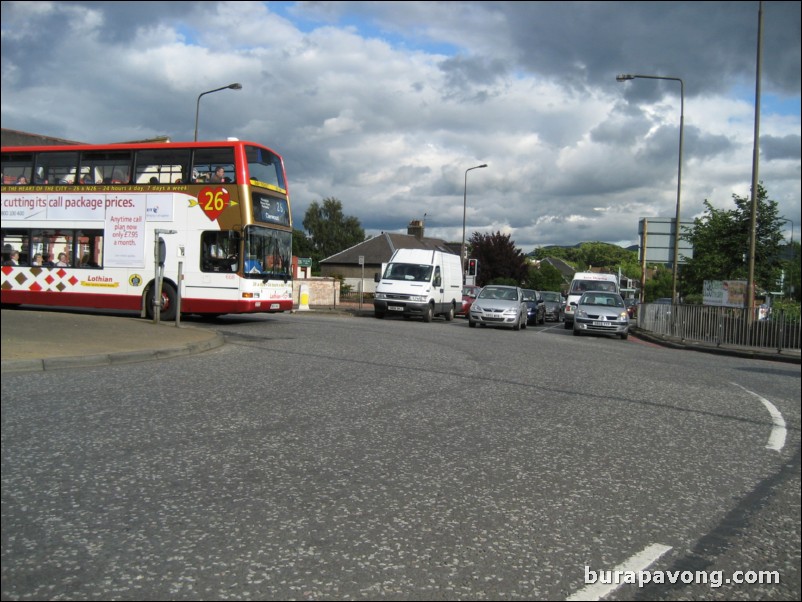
(415, 229)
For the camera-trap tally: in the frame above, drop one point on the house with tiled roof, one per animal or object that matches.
(357, 265)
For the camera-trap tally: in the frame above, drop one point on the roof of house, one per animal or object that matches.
(379, 249)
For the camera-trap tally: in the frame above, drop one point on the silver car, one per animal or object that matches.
(499, 305)
(601, 312)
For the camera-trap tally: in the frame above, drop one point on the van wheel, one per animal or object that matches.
(428, 313)
(379, 314)
(450, 313)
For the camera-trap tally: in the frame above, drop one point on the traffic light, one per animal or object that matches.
(473, 266)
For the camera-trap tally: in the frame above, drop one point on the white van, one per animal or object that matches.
(422, 283)
(587, 281)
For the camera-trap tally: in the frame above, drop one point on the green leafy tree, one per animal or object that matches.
(498, 258)
(659, 285)
(330, 231)
(301, 245)
(544, 277)
(791, 269)
(594, 254)
(720, 240)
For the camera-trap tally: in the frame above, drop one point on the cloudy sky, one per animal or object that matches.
(385, 105)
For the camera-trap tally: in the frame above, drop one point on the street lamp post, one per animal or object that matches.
(626, 77)
(197, 106)
(464, 213)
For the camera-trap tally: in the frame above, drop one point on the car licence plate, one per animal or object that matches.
(395, 308)
(602, 324)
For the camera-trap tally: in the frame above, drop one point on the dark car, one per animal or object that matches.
(469, 293)
(535, 307)
(554, 303)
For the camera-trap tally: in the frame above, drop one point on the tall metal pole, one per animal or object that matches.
(464, 213)
(625, 77)
(750, 285)
(197, 105)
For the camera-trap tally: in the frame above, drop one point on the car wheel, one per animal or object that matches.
(576, 332)
(624, 336)
(471, 323)
(568, 325)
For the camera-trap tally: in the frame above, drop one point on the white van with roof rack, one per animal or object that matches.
(583, 282)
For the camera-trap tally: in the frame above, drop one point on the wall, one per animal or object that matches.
(323, 292)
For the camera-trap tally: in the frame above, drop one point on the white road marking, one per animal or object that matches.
(777, 436)
(638, 562)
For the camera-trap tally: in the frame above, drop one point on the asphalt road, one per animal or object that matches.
(318, 457)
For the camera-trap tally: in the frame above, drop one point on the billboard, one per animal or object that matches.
(724, 293)
(657, 240)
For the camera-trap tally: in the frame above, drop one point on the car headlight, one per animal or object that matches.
(581, 313)
(623, 316)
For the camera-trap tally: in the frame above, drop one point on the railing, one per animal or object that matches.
(721, 326)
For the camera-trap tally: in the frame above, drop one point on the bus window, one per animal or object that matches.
(166, 165)
(207, 160)
(265, 167)
(55, 246)
(89, 248)
(98, 167)
(220, 251)
(15, 247)
(56, 168)
(16, 166)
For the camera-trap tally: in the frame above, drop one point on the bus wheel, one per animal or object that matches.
(169, 302)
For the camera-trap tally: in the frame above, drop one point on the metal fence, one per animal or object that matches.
(721, 325)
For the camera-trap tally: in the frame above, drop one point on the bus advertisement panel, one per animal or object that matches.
(221, 208)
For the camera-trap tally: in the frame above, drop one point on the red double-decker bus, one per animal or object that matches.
(81, 226)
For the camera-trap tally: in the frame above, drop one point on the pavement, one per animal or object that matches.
(48, 339)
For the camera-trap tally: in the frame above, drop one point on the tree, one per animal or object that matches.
(301, 245)
(330, 231)
(720, 240)
(593, 254)
(544, 277)
(498, 258)
(659, 285)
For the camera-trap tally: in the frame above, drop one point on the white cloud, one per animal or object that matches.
(384, 105)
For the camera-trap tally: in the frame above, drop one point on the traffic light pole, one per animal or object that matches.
(473, 268)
